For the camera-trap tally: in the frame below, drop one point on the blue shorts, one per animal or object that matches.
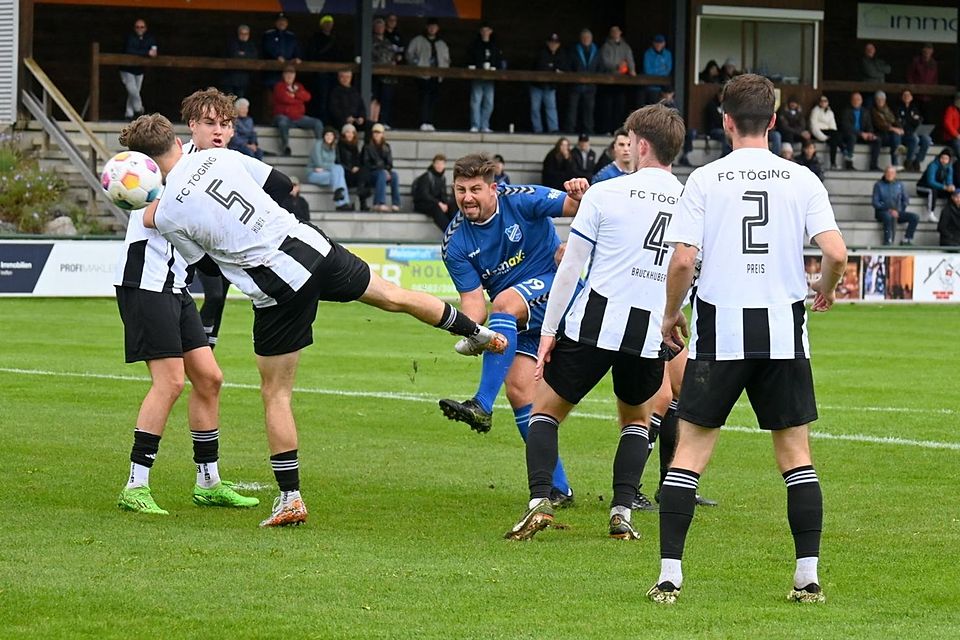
(534, 292)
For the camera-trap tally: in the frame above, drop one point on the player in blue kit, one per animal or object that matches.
(503, 241)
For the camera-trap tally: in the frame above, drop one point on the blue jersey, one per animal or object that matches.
(516, 244)
(609, 171)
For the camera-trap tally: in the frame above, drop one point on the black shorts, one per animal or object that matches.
(158, 325)
(574, 369)
(780, 391)
(288, 327)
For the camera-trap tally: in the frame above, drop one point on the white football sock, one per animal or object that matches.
(670, 572)
(624, 512)
(806, 572)
(139, 476)
(208, 475)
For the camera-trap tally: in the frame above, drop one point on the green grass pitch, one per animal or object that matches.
(407, 509)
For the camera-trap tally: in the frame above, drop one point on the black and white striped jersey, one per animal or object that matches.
(748, 213)
(148, 260)
(215, 204)
(621, 306)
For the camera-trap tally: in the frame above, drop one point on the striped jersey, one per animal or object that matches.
(148, 260)
(215, 204)
(748, 213)
(517, 243)
(621, 306)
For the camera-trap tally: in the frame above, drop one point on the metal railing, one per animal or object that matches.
(87, 165)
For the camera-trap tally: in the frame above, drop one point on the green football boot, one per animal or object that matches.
(222, 495)
(140, 500)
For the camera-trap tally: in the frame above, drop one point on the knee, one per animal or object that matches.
(170, 386)
(209, 384)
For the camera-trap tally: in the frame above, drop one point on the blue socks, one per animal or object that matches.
(496, 365)
(522, 416)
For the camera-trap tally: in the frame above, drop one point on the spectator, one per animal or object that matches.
(428, 50)
(786, 152)
(710, 73)
(138, 43)
(244, 132)
(384, 87)
(872, 68)
(350, 158)
(713, 127)
(917, 144)
(558, 165)
(377, 160)
(500, 175)
(923, 68)
(949, 224)
(290, 108)
(430, 194)
(584, 58)
(657, 61)
(484, 54)
(606, 157)
(295, 203)
(323, 47)
(584, 158)
(888, 127)
(393, 35)
(324, 169)
(728, 70)
(617, 58)
(622, 162)
(951, 125)
(544, 94)
(937, 182)
(823, 127)
(236, 81)
(857, 126)
(791, 125)
(808, 158)
(281, 45)
(890, 207)
(346, 104)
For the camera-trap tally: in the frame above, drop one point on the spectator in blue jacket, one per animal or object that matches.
(281, 45)
(244, 137)
(138, 43)
(890, 207)
(324, 169)
(937, 181)
(583, 58)
(657, 61)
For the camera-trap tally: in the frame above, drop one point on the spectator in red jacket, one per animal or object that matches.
(951, 125)
(923, 69)
(290, 108)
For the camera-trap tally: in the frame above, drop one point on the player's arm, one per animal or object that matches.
(149, 214)
(679, 278)
(575, 189)
(831, 268)
(474, 305)
(575, 257)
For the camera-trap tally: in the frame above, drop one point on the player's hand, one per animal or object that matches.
(674, 330)
(576, 187)
(558, 254)
(547, 343)
(823, 299)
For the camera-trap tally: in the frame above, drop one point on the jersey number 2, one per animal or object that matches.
(654, 239)
(751, 222)
(231, 199)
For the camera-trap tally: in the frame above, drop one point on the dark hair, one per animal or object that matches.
(439, 156)
(475, 165)
(749, 99)
(622, 131)
(556, 147)
(499, 158)
(660, 126)
(150, 134)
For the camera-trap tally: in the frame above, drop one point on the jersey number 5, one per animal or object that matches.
(751, 222)
(230, 199)
(654, 239)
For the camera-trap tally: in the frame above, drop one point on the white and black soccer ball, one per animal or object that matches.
(131, 180)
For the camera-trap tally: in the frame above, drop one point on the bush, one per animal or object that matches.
(29, 196)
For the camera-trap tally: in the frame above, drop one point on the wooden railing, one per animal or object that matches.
(892, 89)
(99, 60)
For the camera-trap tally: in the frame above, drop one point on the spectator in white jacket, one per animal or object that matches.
(823, 127)
(428, 50)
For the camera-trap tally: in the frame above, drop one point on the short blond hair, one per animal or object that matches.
(150, 134)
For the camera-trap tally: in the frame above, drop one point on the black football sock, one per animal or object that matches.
(286, 469)
(542, 454)
(628, 464)
(456, 322)
(678, 499)
(668, 439)
(145, 448)
(804, 509)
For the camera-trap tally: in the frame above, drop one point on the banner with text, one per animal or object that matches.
(911, 23)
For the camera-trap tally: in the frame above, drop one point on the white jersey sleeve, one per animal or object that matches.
(820, 215)
(190, 250)
(258, 170)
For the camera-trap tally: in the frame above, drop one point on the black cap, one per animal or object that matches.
(583, 138)
(553, 38)
(432, 21)
(281, 15)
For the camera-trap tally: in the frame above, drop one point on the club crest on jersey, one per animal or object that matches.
(513, 233)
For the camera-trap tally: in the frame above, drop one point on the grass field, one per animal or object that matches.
(407, 509)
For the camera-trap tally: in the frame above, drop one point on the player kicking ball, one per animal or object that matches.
(613, 322)
(502, 242)
(218, 212)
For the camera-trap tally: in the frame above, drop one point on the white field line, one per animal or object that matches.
(432, 398)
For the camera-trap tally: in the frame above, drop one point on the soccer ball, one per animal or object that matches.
(131, 180)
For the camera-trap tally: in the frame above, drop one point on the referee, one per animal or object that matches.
(748, 212)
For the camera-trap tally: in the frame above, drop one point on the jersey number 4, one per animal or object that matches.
(751, 222)
(230, 199)
(654, 239)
